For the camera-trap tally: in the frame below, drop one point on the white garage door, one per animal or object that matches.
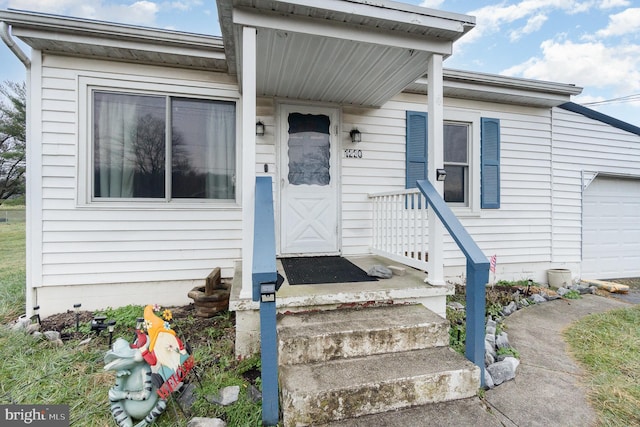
(611, 229)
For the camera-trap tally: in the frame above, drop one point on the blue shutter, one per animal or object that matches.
(490, 163)
(416, 147)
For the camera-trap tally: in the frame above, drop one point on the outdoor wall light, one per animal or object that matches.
(260, 128)
(441, 174)
(76, 307)
(355, 135)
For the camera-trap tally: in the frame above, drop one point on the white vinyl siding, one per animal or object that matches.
(518, 232)
(89, 244)
(582, 148)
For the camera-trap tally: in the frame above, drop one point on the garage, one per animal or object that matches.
(611, 228)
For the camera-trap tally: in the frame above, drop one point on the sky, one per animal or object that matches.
(594, 44)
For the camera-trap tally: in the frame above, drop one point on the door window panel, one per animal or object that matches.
(309, 149)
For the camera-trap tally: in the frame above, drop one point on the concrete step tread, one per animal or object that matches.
(464, 412)
(343, 374)
(344, 333)
(351, 320)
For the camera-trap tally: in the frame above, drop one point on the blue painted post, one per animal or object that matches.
(264, 279)
(475, 298)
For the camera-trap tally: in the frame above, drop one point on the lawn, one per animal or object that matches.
(608, 347)
(36, 371)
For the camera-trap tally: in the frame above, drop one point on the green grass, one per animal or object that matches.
(12, 271)
(608, 346)
(36, 371)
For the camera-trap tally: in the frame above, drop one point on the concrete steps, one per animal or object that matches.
(343, 364)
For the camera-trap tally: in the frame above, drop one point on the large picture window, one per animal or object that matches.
(136, 154)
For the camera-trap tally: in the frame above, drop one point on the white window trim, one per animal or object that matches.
(193, 90)
(473, 119)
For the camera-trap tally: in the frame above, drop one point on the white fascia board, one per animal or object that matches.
(297, 24)
(499, 81)
(122, 43)
(392, 11)
(50, 24)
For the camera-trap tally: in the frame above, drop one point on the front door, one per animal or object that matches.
(308, 180)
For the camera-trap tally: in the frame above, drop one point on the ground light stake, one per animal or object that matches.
(77, 309)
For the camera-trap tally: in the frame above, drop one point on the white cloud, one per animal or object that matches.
(533, 24)
(141, 12)
(608, 4)
(182, 5)
(492, 18)
(591, 64)
(626, 22)
(433, 4)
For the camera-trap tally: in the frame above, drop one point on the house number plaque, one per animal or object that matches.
(352, 153)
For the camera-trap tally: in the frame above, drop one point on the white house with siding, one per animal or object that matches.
(143, 153)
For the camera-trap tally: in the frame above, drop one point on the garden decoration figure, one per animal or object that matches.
(147, 371)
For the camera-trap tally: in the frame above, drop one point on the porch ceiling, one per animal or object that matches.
(338, 51)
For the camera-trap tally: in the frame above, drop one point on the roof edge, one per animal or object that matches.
(596, 115)
(512, 82)
(41, 21)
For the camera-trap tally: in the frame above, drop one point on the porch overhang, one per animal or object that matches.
(347, 52)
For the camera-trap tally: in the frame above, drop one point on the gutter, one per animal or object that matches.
(6, 37)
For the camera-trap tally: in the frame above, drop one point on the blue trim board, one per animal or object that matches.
(595, 115)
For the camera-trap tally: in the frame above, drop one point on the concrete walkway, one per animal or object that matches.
(546, 390)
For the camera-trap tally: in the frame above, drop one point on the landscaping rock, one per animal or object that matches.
(562, 291)
(254, 394)
(206, 422)
(490, 349)
(38, 335)
(582, 289)
(502, 340)
(502, 371)
(380, 271)
(52, 335)
(514, 362)
(537, 298)
(488, 359)
(490, 338)
(488, 380)
(490, 329)
(21, 324)
(33, 327)
(84, 342)
(509, 309)
(228, 395)
(455, 305)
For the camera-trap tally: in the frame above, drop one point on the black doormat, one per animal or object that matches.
(326, 269)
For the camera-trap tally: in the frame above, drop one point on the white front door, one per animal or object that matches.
(308, 180)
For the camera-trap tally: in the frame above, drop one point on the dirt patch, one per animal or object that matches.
(191, 329)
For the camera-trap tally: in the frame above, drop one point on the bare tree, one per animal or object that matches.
(12, 139)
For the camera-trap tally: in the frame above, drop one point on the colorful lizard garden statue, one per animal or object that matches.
(147, 371)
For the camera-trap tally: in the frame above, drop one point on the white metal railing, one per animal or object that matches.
(400, 227)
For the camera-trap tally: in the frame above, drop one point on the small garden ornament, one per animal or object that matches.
(147, 371)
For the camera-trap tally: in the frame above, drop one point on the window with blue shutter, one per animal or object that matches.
(490, 163)
(416, 147)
